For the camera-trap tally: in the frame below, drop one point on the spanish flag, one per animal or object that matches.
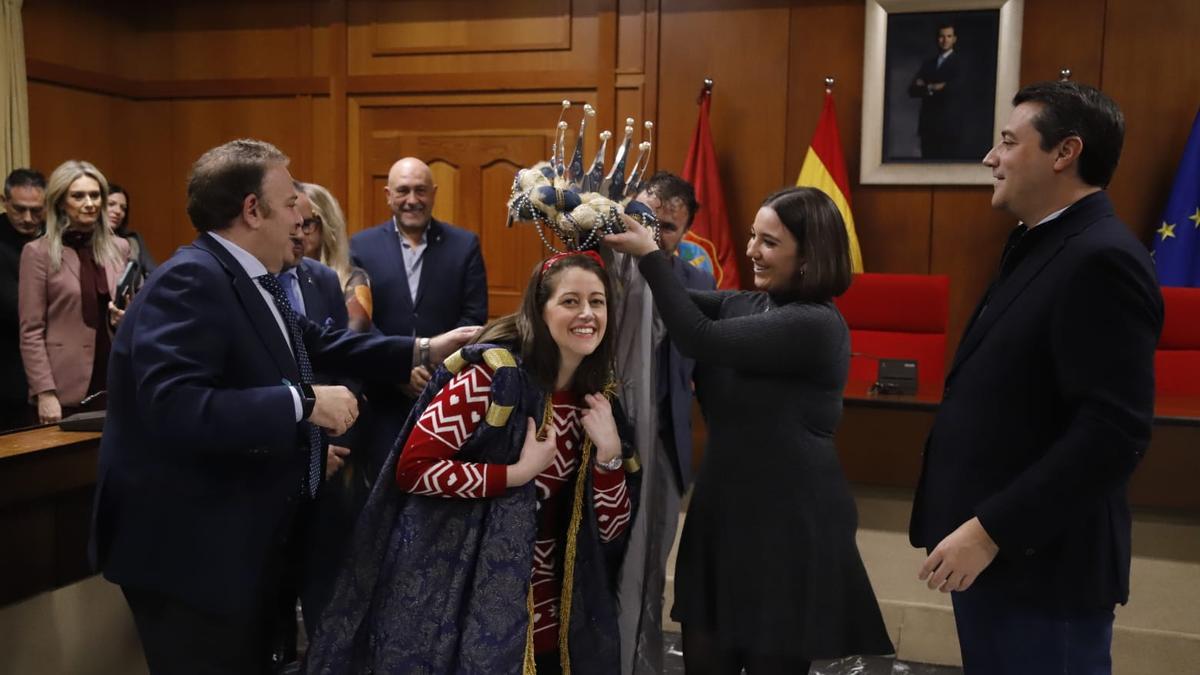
(825, 169)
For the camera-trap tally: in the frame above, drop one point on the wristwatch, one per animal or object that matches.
(423, 351)
(308, 399)
(612, 464)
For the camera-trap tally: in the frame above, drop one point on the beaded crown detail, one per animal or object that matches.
(581, 206)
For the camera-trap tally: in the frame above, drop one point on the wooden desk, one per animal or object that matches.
(47, 478)
(881, 439)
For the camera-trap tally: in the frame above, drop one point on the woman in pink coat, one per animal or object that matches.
(68, 279)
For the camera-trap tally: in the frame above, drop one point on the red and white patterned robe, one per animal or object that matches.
(427, 467)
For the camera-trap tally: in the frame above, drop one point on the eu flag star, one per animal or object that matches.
(1195, 217)
(1166, 230)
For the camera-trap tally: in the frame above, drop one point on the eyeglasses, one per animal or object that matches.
(308, 225)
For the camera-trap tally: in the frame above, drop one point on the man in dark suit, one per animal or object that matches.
(427, 277)
(1048, 405)
(23, 220)
(314, 291)
(939, 85)
(215, 432)
(668, 470)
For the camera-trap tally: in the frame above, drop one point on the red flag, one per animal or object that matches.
(710, 228)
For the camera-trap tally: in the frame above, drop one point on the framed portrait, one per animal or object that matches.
(938, 81)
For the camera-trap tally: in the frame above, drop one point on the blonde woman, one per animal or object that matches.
(68, 279)
(325, 240)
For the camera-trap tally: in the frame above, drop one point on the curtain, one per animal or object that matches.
(14, 104)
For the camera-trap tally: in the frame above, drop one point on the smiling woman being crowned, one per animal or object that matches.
(491, 538)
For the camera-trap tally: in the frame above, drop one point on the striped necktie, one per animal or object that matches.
(312, 480)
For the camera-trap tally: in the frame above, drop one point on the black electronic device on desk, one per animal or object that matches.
(89, 420)
(896, 376)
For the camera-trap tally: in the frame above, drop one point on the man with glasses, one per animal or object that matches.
(314, 291)
(23, 220)
(662, 410)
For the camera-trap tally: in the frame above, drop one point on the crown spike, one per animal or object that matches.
(595, 175)
(560, 145)
(575, 168)
(642, 165)
(558, 148)
(639, 168)
(614, 185)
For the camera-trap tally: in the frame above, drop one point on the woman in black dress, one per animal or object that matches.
(768, 575)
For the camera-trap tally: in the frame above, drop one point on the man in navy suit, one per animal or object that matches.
(314, 290)
(1048, 404)
(667, 399)
(939, 85)
(427, 277)
(215, 432)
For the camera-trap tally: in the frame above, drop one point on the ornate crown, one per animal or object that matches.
(582, 206)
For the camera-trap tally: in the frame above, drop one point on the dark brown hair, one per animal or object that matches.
(114, 189)
(526, 332)
(223, 176)
(823, 269)
(670, 187)
(23, 178)
(1074, 109)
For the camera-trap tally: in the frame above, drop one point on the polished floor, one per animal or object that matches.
(852, 665)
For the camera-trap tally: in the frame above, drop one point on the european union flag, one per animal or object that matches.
(1177, 244)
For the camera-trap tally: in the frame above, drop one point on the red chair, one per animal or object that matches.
(1177, 360)
(901, 316)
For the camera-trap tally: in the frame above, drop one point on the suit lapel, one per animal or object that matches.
(314, 302)
(430, 260)
(256, 309)
(1076, 219)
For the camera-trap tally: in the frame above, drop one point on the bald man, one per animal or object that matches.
(427, 277)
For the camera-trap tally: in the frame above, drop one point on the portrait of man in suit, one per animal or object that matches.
(939, 86)
(939, 102)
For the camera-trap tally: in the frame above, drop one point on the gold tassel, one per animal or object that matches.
(564, 623)
(530, 667)
(572, 548)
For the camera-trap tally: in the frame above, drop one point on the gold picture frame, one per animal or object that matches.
(885, 112)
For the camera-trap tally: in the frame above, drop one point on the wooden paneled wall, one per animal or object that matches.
(342, 85)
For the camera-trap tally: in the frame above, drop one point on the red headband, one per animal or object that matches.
(559, 256)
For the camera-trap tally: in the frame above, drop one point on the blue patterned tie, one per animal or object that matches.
(308, 486)
(291, 283)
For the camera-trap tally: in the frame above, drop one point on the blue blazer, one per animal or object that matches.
(202, 457)
(453, 290)
(679, 371)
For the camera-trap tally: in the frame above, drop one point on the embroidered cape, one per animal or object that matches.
(436, 585)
